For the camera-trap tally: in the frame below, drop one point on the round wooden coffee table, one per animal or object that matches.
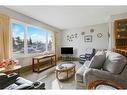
(104, 85)
(65, 71)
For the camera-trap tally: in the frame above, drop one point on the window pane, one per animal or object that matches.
(36, 40)
(50, 41)
(18, 38)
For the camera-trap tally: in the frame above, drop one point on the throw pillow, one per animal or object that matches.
(98, 60)
(115, 63)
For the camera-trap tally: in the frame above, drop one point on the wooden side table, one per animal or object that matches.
(15, 69)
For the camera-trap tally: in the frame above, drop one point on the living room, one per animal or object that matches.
(63, 47)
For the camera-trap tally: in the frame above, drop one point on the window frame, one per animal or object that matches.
(11, 43)
(26, 25)
(29, 25)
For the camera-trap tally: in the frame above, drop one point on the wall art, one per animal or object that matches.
(88, 38)
(82, 33)
(91, 30)
(76, 35)
(71, 37)
(99, 35)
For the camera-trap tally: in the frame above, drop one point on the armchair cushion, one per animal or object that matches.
(98, 60)
(115, 63)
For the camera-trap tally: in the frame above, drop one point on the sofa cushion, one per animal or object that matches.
(98, 60)
(114, 63)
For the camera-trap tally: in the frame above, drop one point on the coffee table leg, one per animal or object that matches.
(33, 65)
(67, 74)
(55, 59)
(57, 75)
(51, 60)
(38, 66)
(74, 69)
(19, 72)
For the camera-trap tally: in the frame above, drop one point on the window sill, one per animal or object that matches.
(29, 55)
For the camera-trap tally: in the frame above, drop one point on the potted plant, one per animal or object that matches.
(8, 63)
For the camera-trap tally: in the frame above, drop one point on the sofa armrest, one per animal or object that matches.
(99, 73)
(94, 74)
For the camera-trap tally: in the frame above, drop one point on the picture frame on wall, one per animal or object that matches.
(88, 38)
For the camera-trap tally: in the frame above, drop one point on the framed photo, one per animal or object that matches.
(88, 38)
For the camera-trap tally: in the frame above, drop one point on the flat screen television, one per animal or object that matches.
(66, 50)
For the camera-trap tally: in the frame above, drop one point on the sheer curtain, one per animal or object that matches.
(56, 44)
(4, 36)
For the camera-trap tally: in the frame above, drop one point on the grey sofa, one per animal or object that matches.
(107, 66)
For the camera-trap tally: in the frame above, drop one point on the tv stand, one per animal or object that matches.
(67, 57)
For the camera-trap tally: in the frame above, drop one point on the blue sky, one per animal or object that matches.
(36, 34)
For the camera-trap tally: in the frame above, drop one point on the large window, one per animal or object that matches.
(18, 38)
(36, 40)
(29, 39)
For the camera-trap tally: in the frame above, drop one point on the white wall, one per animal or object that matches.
(111, 25)
(79, 44)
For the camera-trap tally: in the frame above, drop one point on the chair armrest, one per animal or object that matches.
(36, 85)
(39, 85)
(7, 80)
(3, 77)
(24, 86)
(12, 76)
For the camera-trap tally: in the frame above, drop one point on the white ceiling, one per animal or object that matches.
(66, 17)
